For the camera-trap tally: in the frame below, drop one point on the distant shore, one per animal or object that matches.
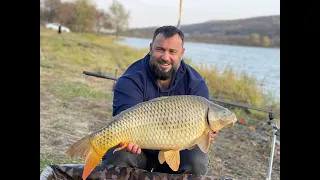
(187, 39)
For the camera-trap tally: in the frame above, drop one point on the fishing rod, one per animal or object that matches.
(99, 75)
(180, 9)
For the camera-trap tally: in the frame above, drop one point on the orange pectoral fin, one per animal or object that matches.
(125, 144)
(161, 157)
(172, 158)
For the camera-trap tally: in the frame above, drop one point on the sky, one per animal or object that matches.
(146, 13)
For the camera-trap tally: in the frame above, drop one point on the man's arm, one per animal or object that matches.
(127, 93)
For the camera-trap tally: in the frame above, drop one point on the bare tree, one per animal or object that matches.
(41, 11)
(51, 8)
(119, 17)
(102, 20)
(65, 13)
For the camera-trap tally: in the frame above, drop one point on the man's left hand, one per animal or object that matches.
(213, 136)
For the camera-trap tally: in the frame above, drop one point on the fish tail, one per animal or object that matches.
(80, 148)
(84, 148)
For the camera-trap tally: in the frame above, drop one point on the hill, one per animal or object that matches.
(256, 31)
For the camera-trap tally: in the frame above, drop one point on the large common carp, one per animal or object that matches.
(169, 124)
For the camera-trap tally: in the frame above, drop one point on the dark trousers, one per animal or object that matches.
(191, 161)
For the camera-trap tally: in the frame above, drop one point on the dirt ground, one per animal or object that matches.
(237, 152)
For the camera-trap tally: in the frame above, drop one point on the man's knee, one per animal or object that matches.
(199, 164)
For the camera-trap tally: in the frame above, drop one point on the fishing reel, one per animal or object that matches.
(275, 127)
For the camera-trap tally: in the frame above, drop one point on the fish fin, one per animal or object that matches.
(83, 148)
(158, 98)
(172, 158)
(121, 147)
(161, 157)
(204, 142)
(92, 160)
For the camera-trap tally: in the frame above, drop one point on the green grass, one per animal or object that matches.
(87, 50)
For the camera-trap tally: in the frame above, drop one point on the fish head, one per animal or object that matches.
(219, 117)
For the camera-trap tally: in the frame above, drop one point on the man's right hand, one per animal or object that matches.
(132, 148)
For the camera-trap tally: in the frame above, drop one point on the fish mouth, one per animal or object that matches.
(219, 124)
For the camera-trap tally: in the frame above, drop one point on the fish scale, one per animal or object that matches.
(168, 124)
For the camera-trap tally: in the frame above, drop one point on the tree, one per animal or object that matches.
(102, 21)
(41, 11)
(255, 39)
(51, 8)
(266, 41)
(84, 15)
(65, 13)
(119, 17)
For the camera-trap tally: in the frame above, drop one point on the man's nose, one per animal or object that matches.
(166, 56)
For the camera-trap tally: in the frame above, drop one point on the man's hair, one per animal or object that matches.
(168, 31)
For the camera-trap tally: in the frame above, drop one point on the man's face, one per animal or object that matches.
(165, 56)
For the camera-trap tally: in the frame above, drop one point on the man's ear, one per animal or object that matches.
(182, 53)
(150, 49)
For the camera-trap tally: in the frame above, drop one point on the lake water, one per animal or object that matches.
(263, 63)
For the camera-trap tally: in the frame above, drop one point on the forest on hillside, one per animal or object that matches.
(257, 31)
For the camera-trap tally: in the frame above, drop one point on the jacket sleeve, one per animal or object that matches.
(201, 89)
(127, 93)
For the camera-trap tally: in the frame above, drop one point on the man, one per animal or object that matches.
(59, 29)
(162, 72)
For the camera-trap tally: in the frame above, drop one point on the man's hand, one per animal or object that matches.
(213, 136)
(132, 148)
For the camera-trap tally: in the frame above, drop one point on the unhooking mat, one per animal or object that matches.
(74, 172)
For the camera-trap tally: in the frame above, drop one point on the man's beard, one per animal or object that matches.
(158, 72)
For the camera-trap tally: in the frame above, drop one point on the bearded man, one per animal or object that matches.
(162, 72)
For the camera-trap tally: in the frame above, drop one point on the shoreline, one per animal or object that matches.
(196, 41)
